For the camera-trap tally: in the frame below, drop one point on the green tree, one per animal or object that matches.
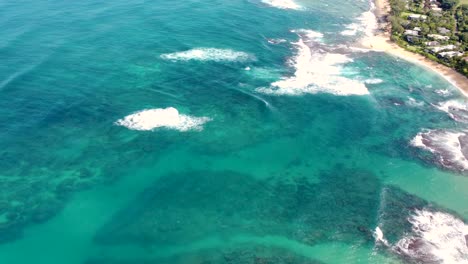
(449, 4)
(463, 37)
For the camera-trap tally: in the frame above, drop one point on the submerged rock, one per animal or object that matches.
(241, 255)
(182, 208)
(449, 148)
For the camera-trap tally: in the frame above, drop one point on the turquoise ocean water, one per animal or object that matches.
(215, 131)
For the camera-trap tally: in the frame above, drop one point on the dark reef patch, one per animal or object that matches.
(182, 208)
(37, 186)
(243, 255)
(345, 205)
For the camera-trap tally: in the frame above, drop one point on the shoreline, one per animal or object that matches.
(381, 42)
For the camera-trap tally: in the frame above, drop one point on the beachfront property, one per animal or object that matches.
(443, 31)
(436, 29)
(410, 32)
(435, 8)
(431, 43)
(438, 37)
(417, 17)
(450, 54)
(441, 48)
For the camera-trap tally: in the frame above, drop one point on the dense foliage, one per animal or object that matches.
(453, 17)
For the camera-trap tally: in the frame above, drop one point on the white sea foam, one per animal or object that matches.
(436, 238)
(414, 103)
(208, 54)
(351, 29)
(443, 92)
(365, 24)
(446, 106)
(170, 118)
(457, 110)
(448, 146)
(308, 35)
(379, 236)
(282, 4)
(373, 81)
(276, 41)
(317, 71)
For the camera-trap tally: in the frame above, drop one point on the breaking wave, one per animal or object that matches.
(443, 92)
(379, 236)
(170, 118)
(308, 35)
(436, 238)
(373, 81)
(366, 24)
(282, 4)
(208, 54)
(457, 110)
(414, 103)
(450, 148)
(317, 69)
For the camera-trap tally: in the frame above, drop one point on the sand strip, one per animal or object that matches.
(381, 42)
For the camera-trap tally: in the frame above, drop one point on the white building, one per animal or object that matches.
(435, 8)
(438, 37)
(417, 17)
(443, 30)
(410, 32)
(450, 54)
(441, 48)
(431, 43)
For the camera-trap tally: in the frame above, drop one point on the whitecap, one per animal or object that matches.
(373, 81)
(379, 236)
(208, 54)
(443, 92)
(282, 4)
(351, 30)
(366, 24)
(170, 118)
(315, 72)
(455, 109)
(449, 147)
(308, 35)
(276, 41)
(436, 238)
(414, 103)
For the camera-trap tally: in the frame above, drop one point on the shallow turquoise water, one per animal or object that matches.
(303, 177)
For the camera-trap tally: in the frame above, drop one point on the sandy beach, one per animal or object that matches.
(381, 42)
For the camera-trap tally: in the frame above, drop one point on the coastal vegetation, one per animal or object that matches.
(437, 29)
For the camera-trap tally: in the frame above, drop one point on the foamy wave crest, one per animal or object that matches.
(379, 236)
(414, 103)
(443, 92)
(162, 117)
(316, 72)
(276, 41)
(365, 24)
(436, 238)
(457, 110)
(282, 4)
(308, 35)
(373, 81)
(450, 148)
(208, 54)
